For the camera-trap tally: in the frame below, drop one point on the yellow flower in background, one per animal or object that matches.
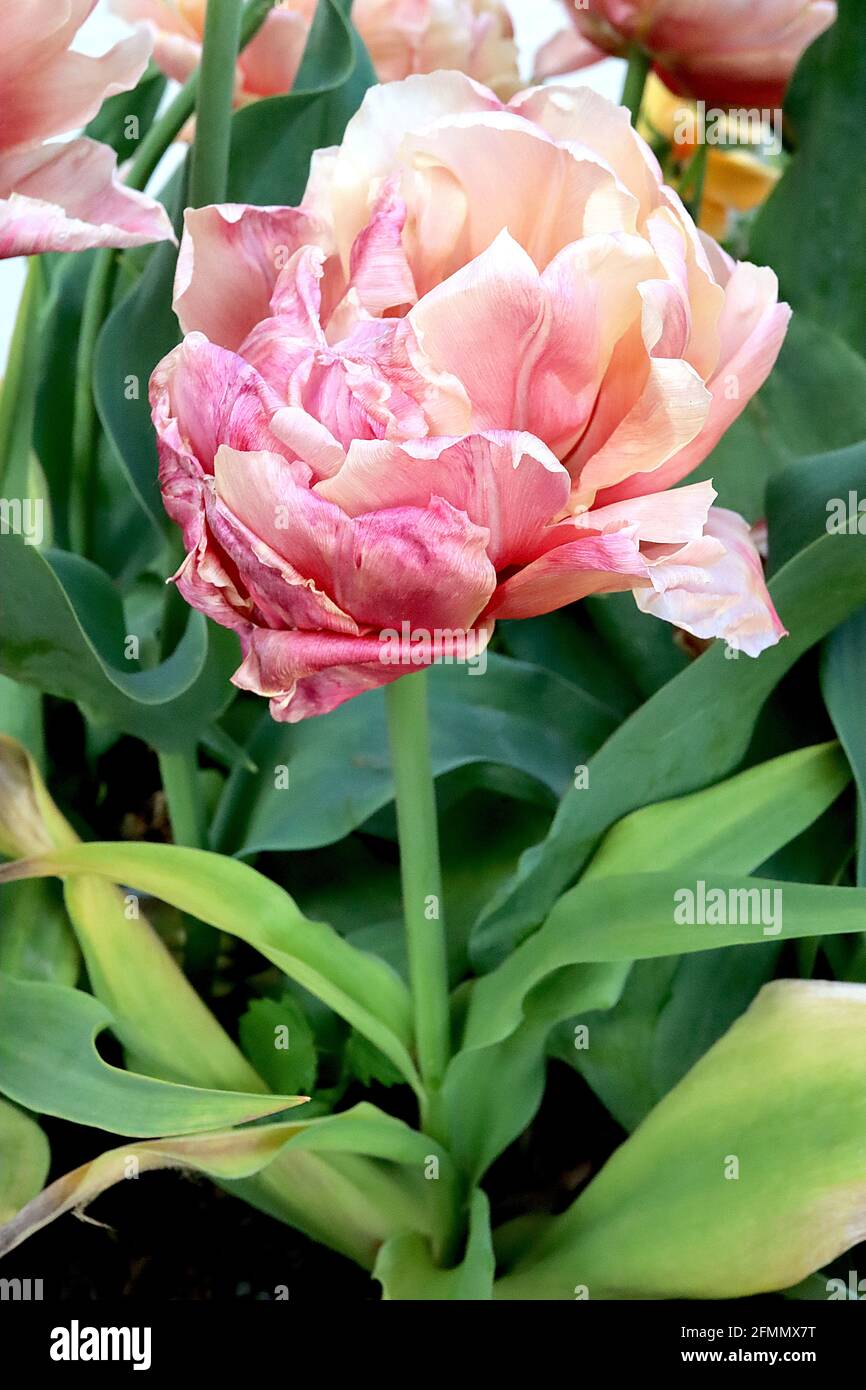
(736, 180)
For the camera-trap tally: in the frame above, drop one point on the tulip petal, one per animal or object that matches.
(591, 565)
(338, 190)
(509, 483)
(752, 329)
(516, 353)
(378, 268)
(309, 673)
(65, 197)
(241, 250)
(426, 565)
(715, 588)
(48, 90)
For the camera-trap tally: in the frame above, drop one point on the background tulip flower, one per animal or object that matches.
(435, 395)
(63, 196)
(401, 36)
(726, 52)
(735, 180)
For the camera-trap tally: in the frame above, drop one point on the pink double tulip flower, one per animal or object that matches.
(401, 36)
(725, 52)
(459, 383)
(63, 196)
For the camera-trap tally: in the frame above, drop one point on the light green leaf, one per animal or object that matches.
(236, 899)
(742, 821)
(744, 1179)
(633, 918)
(495, 1083)
(278, 1040)
(157, 1014)
(35, 940)
(692, 732)
(49, 1063)
(24, 1159)
(406, 1271)
(234, 1157)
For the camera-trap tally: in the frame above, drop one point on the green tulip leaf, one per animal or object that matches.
(24, 1159)
(234, 898)
(337, 768)
(747, 1177)
(407, 1272)
(62, 630)
(234, 1157)
(696, 729)
(807, 232)
(49, 1063)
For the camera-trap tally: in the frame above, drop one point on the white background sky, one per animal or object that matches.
(534, 21)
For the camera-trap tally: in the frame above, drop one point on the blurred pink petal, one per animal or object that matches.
(66, 197)
(725, 52)
(567, 51)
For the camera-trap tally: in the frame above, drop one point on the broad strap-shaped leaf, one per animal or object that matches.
(843, 682)
(406, 1270)
(228, 1157)
(744, 1179)
(157, 1014)
(62, 631)
(692, 732)
(493, 1088)
(808, 231)
(24, 1159)
(234, 898)
(49, 1063)
(273, 140)
(634, 917)
(740, 822)
(807, 499)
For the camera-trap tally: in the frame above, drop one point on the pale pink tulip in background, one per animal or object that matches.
(725, 52)
(459, 383)
(402, 37)
(63, 195)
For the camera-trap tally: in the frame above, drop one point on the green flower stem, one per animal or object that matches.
(180, 783)
(421, 877)
(639, 63)
(692, 189)
(21, 705)
(210, 154)
(100, 287)
(18, 394)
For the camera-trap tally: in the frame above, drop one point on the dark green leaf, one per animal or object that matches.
(278, 1040)
(336, 769)
(62, 630)
(811, 229)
